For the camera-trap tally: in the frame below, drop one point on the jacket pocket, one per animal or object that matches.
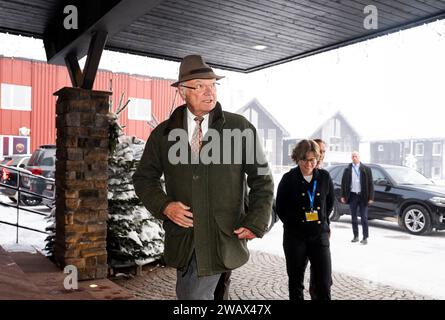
(231, 251)
(177, 244)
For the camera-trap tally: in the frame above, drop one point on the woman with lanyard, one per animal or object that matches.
(305, 197)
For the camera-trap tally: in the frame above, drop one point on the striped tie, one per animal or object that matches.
(197, 137)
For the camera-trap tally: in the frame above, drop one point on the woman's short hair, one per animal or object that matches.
(303, 147)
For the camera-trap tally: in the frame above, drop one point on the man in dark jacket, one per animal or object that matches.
(202, 207)
(357, 189)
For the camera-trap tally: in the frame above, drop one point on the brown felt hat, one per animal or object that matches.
(194, 67)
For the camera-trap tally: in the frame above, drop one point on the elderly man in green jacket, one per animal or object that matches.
(205, 155)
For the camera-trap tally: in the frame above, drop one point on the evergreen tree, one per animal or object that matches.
(134, 235)
(51, 238)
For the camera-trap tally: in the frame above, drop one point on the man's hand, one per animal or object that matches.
(343, 200)
(244, 233)
(370, 201)
(177, 212)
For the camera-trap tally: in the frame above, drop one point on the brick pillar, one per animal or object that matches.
(81, 181)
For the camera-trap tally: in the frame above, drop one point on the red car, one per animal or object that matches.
(9, 169)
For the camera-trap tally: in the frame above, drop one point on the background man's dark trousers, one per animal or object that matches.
(355, 203)
(222, 288)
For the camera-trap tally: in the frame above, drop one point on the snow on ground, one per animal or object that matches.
(19, 247)
(392, 256)
(28, 240)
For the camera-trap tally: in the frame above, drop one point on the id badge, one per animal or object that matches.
(312, 215)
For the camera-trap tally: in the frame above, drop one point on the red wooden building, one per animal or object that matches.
(27, 102)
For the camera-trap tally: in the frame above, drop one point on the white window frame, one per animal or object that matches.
(436, 176)
(268, 145)
(335, 128)
(415, 149)
(136, 109)
(251, 115)
(439, 144)
(15, 97)
(254, 117)
(290, 149)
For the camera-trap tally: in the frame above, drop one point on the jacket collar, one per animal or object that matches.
(315, 173)
(176, 120)
(352, 165)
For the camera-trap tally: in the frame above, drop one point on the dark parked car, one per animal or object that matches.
(9, 174)
(49, 191)
(42, 164)
(400, 192)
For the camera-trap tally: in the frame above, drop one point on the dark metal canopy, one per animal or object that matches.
(224, 32)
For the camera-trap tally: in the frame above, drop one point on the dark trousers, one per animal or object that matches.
(222, 288)
(355, 202)
(297, 251)
(312, 290)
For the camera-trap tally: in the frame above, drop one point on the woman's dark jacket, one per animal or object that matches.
(293, 202)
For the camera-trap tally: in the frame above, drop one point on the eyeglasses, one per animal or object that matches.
(202, 87)
(311, 161)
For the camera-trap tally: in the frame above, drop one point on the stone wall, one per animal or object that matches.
(81, 181)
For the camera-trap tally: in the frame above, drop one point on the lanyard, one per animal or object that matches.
(357, 173)
(312, 195)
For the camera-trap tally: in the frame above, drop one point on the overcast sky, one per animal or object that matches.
(389, 87)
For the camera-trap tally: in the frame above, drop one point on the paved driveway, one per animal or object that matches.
(262, 278)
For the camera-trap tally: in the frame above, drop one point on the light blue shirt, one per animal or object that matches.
(355, 182)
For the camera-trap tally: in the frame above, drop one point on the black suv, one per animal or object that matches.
(42, 163)
(400, 192)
